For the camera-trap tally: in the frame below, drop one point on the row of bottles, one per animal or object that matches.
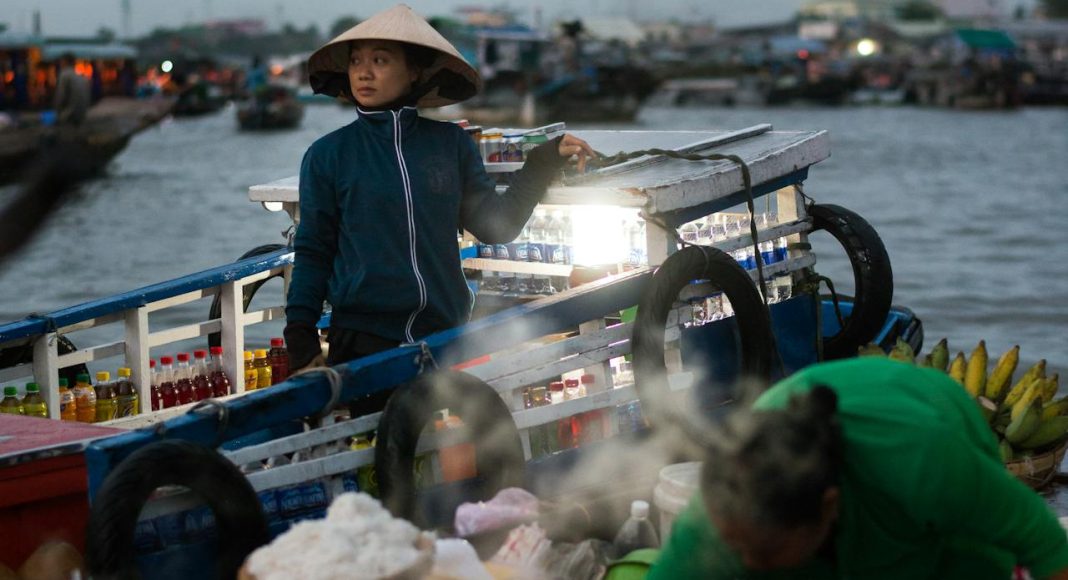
(264, 368)
(547, 238)
(183, 383)
(31, 404)
(569, 432)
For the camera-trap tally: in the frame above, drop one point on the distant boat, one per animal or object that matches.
(107, 129)
(275, 107)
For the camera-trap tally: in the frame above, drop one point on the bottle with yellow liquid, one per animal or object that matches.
(250, 371)
(126, 400)
(33, 404)
(105, 397)
(11, 404)
(84, 399)
(68, 407)
(263, 369)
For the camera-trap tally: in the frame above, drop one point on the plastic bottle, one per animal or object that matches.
(263, 369)
(168, 394)
(556, 392)
(457, 461)
(250, 372)
(153, 385)
(85, 399)
(33, 405)
(688, 232)
(523, 282)
(220, 383)
(68, 407)
(536, 252)
(637, 532)
(11, 404)
(105, 397)
(505, 280)
(572, 389)
(278, 357)
(201, 382)
(591, 422)
(539, 435)
(183, 379)
(127, 402)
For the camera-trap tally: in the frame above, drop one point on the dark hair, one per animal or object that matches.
(773, 467)
(419, 56)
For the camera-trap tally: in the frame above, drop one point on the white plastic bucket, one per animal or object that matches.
(673, 491)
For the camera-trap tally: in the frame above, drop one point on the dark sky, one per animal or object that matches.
(85, 17)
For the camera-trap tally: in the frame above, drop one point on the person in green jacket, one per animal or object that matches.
(866, 468)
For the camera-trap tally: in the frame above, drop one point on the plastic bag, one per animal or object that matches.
(457, 559)
(509, 508)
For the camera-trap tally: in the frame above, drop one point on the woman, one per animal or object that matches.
(382, 199)
(867, 468)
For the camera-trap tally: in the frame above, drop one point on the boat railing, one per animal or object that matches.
(127, 316)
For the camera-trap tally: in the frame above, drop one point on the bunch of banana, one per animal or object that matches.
(1023, 414)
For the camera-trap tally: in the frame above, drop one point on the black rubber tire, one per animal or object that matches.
(239, 518)
(18, 355)
(872, 275)
(215, 338)
(756, 343)
(498, 450)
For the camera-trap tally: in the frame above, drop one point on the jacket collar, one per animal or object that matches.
(382, 121)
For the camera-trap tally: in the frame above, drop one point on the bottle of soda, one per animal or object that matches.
(183, 379)
(68, 407)
(11, 404)
(540, 434)
(127, 403)
(85, 399)
(33, 404)
(168, 393)
(263, 369)
(153, 385)
(556, 392)
(592, 422)
(250, 372)
(278, 357)
(637, 532)
(105, 397)
(220, 383)
(201, 382)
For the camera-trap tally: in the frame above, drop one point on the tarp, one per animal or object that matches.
(88, 51)
(985, 39)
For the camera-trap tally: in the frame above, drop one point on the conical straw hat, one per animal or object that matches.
(455, 81)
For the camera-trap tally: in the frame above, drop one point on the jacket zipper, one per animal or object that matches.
(409, 203)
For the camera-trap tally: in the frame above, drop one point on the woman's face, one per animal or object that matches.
(378, 72)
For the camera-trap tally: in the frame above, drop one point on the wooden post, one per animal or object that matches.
(137, 354)
(790, 206)
(46, 371)
(233, 333)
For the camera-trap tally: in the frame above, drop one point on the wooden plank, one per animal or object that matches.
(311, 470)
(186, 332)
(46, 371)
(137, 355)
(233, 334)
(265, 315)
(534, 374)
(304, 440)
(15, 373)
(518, 267)
(87, 355)
(181, 299)
(500, 367)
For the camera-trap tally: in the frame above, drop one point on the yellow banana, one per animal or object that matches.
(940, 355)
(958, 367)
(1047, 432)
(1017, 390)
(871, 349)
(1048, 388)
(1055, 408)
(975, 373)
(1029, 396)
(997, 385)
(1025, 424)
(903, 352)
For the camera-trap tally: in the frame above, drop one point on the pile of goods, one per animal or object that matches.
(1032, 426)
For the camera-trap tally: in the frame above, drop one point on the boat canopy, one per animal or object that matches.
(86, 51)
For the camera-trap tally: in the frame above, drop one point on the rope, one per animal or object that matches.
(425, 358)
(333, 378)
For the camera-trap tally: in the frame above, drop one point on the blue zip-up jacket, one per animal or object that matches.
(381, 201)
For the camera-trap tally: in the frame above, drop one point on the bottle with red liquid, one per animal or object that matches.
(201, 384)
(168, 394)
(591, 423)
(220, 383)
(278, 358)
(154, 385)
(183, 379)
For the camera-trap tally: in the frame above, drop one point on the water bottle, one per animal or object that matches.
(567, 240)
(688, 232)
(536, 252)
(635, 233)
(523, 282)
(637, 532)
(781, 252)
(505, 280)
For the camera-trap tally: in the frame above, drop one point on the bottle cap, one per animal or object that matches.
(571, 383)
(63, 382)
(248, 355)
(183, 357)
(278, 343)
(82, 378)
(32, 388)
(10, 391)
(639, 509)
(200, 353)
(556, 386)
(151, 363)
(261, 353)
(215, 350)
(103, 377)
(588, 379)
(124, 372)
(166, 360)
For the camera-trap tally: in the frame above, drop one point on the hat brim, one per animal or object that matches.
(450, 77)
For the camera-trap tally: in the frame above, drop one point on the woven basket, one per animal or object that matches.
(1038, 471)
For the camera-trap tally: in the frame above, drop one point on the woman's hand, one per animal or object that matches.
(571, 145)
